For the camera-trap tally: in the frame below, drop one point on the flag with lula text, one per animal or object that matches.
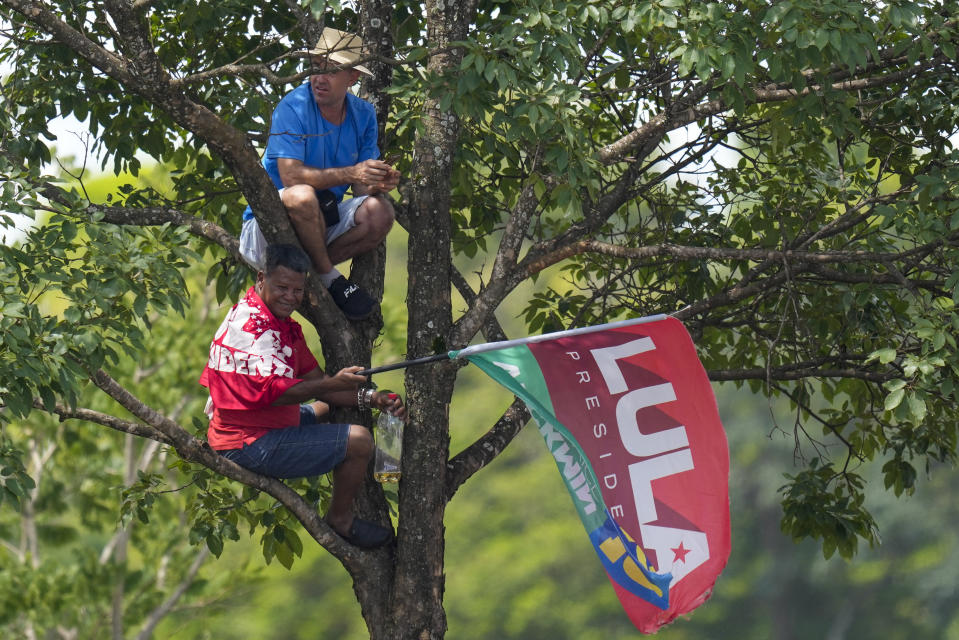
(628, 413)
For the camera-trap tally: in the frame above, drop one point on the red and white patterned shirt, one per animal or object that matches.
(254, 358)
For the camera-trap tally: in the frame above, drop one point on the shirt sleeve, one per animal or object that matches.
(287, 133)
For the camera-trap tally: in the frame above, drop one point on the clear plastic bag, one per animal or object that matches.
(253, 244)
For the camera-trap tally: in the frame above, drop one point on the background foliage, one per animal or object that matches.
(558, 144)
(502, 579)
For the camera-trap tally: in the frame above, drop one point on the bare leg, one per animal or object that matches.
(304, 211)
(320, 408)
(374, 218)
(348, 476)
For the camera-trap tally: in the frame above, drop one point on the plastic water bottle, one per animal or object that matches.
(389, 447)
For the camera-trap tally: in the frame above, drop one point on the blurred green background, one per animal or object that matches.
(520, 565)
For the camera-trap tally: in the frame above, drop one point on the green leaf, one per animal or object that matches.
(885, 356)
(215, 544)
(917, 408)
(894, 399)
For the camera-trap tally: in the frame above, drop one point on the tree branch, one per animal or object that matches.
(165, 607)
(121, 537)
(88, 415)
(492, 331)
(147, 216)
(261, 70)
(17, 552)
(731, 254)
(799, 371)
(510, 276)
(145, 76)
(517, 226)
(484, 450)
(63, 33)
(680, 116)
(193, 450)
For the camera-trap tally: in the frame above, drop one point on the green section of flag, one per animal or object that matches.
(516, 369)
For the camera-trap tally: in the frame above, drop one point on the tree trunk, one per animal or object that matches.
(417, 608)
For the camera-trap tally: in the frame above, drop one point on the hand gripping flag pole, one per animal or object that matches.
(628, 413)
(404, 364)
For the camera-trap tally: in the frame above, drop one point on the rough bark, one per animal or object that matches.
(420, 582)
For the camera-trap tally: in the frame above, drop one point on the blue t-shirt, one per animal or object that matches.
(298, 131)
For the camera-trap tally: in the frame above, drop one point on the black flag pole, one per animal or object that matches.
(404, 364)
(492, 346)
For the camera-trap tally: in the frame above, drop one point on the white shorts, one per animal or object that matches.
(253, 244)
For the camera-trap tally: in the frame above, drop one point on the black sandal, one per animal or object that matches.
(367, 535)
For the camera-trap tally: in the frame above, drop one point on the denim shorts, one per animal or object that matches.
(310, 449)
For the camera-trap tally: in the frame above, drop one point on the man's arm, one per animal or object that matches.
(368, 177)
(338, 390)
(332, 391)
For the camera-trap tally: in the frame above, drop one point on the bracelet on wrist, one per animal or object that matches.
(359, 399)
(364, 398)
(369, 397)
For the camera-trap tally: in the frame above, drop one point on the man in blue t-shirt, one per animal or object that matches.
(323, 140)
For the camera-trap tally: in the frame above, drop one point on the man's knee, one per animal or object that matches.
(300, 201)
(378, 213)
(360, 442)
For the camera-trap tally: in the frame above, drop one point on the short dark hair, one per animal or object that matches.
(286, 255)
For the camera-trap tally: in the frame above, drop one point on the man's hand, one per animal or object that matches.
(346, 379)
(339, 389)
(391, 403)
(375, 177)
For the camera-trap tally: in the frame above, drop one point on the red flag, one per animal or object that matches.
(629, 415)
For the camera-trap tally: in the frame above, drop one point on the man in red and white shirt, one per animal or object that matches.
(260, 370)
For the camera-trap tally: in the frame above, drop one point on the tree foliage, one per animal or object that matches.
(780, 177)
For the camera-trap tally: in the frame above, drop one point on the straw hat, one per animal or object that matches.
(341, 47)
